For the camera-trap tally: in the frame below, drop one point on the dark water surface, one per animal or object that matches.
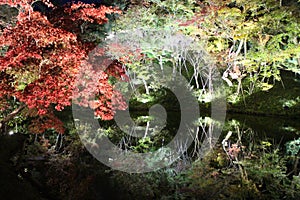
(277, 129)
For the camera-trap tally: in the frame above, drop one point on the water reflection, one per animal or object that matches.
(244, 128)
(149, 135)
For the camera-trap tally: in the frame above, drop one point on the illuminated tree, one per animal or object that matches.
(43, 55)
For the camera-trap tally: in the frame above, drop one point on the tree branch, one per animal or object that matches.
(11, 115)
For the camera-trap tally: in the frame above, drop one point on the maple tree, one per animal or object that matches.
(44, 54)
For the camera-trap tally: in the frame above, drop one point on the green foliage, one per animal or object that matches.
(174, 7)
(289, 103)
(259, 37)
(261, 176)
(143, 145)
(269, 173)
(19, 123)
(293, 147)
(160, 184)
(252, 40)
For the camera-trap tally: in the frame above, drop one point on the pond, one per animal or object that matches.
(276, 129)
(70, 174)
(261, 139)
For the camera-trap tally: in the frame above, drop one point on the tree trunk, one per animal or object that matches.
(6, 119)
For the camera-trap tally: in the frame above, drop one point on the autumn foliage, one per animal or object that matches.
(45, 55)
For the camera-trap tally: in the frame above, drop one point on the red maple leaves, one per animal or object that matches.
(93, 89)
(45, 56)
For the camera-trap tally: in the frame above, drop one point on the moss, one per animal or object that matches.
(283, 99)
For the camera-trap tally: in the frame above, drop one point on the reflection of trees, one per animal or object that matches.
(206, 138)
